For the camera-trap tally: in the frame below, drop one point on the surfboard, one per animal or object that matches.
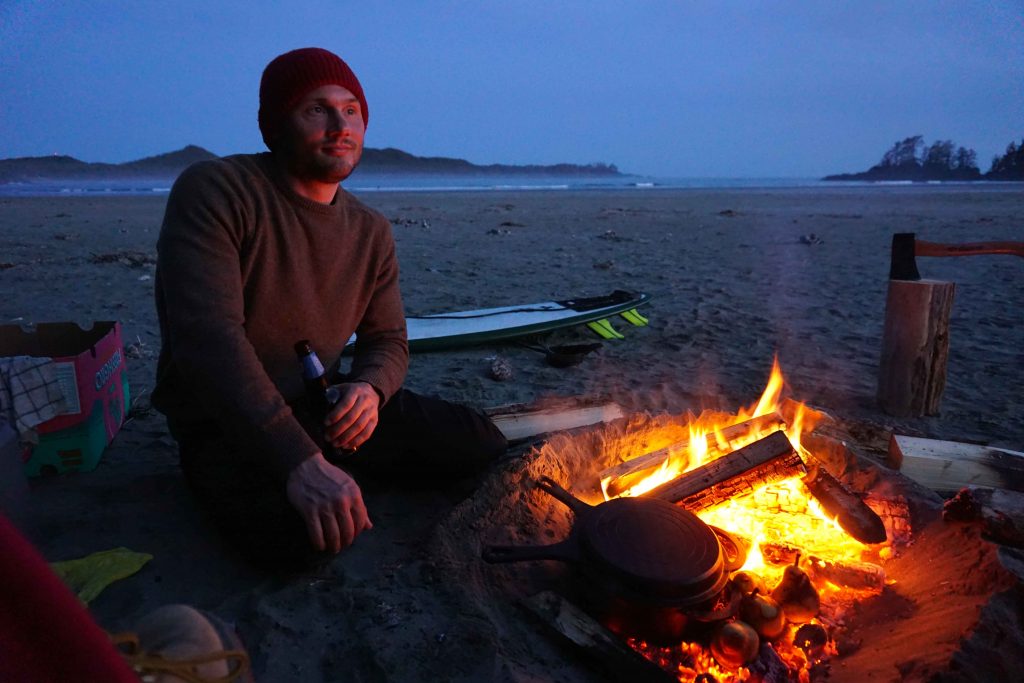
(440, 331)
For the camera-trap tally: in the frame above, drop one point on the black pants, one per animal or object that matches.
(416, 437)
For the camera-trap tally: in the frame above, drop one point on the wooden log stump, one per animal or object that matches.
(915, 346)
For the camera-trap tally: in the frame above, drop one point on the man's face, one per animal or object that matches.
(322, 138)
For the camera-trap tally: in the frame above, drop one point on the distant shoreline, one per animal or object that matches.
(164, 168)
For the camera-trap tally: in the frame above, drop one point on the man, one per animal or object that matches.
(255, 253)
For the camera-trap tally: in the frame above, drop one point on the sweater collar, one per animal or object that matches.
(277, 176)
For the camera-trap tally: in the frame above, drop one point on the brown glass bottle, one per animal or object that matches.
(319, 392)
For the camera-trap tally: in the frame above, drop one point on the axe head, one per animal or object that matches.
(903, 266)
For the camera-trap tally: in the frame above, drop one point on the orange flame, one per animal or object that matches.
(777, 516)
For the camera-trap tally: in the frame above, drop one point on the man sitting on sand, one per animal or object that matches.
(255, 253)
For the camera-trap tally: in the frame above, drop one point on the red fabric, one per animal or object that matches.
(46, 634)
(290, 76)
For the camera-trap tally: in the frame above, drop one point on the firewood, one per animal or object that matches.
(741, 472)
(617, 660)
(624, 475)
(915, 346)
(519, 422)
(1000, 513)
(948, 466)
(864, 576)
(849, 511)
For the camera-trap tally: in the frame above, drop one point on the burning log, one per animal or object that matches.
(863, 576)
(739, 473)
(1001, 513)
(852, 514)
(618, 661)
(624, 475)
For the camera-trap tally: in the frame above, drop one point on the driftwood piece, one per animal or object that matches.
(915, 346)
(741, 472)
(949, 466)
(850, 512)
(519, 422)
(624, 475)
(616, 659)
(1000, 513)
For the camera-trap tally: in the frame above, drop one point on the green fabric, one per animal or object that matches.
(88, 576)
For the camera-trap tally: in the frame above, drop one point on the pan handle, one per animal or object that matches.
(565, 551)
(549, 485)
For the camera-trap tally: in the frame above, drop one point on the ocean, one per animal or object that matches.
(482, 183)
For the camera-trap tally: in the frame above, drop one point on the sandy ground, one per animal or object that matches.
(732, 285)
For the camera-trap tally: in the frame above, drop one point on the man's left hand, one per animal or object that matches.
(354, 417)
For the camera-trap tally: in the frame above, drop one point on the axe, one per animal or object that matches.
(905, 247)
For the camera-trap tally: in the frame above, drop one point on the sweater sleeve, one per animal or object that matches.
(200, 294)
(382, 351)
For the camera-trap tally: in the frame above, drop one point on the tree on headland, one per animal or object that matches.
(1010, 166)
(912, 159)
(904, 153)
(966, 158)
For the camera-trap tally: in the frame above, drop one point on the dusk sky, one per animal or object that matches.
(662, 88)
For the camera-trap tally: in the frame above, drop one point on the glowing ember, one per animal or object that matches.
(782, 515)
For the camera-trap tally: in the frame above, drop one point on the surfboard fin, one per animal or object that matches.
(604, 329)
(633, 317)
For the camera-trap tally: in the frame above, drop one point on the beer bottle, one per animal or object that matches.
(319, 392)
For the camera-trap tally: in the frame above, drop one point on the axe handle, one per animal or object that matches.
(922, 248)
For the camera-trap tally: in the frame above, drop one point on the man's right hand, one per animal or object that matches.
(330, 502)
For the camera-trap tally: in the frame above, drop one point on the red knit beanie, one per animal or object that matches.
(288, 78)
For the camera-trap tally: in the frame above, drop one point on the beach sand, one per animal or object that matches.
(732, 286)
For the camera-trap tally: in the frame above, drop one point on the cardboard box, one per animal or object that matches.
(91, 367)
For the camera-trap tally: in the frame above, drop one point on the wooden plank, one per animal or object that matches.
(616, 660)
(624, 475)
(949, 465)
(530, 422)
(738, 473)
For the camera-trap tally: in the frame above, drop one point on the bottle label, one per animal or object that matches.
(312, 367)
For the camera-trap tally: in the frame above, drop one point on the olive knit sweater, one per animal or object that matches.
(245, 268)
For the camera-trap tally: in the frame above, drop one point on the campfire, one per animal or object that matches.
(721, 548)
(774, 495)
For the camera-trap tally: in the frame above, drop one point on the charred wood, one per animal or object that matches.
(1000, 513)
(852, 513)
(617, 660)
(737, 474)
(863, 576)
(624, 475)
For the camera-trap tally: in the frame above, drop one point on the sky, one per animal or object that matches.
(657, 87)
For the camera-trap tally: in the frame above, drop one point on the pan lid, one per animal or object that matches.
(658, 551)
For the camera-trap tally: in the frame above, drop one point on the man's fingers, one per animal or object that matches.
(360, 518)
(316, 533)
(346, 525)
(357, 433)
(332, 534)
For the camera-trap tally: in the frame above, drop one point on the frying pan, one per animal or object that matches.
(642, 559)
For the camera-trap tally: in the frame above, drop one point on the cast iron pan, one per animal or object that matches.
(643, 550)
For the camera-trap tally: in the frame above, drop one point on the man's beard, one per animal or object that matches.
(333, 169)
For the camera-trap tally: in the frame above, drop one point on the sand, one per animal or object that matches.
(732, 286)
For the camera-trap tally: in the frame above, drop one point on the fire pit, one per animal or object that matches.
(835, 564)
